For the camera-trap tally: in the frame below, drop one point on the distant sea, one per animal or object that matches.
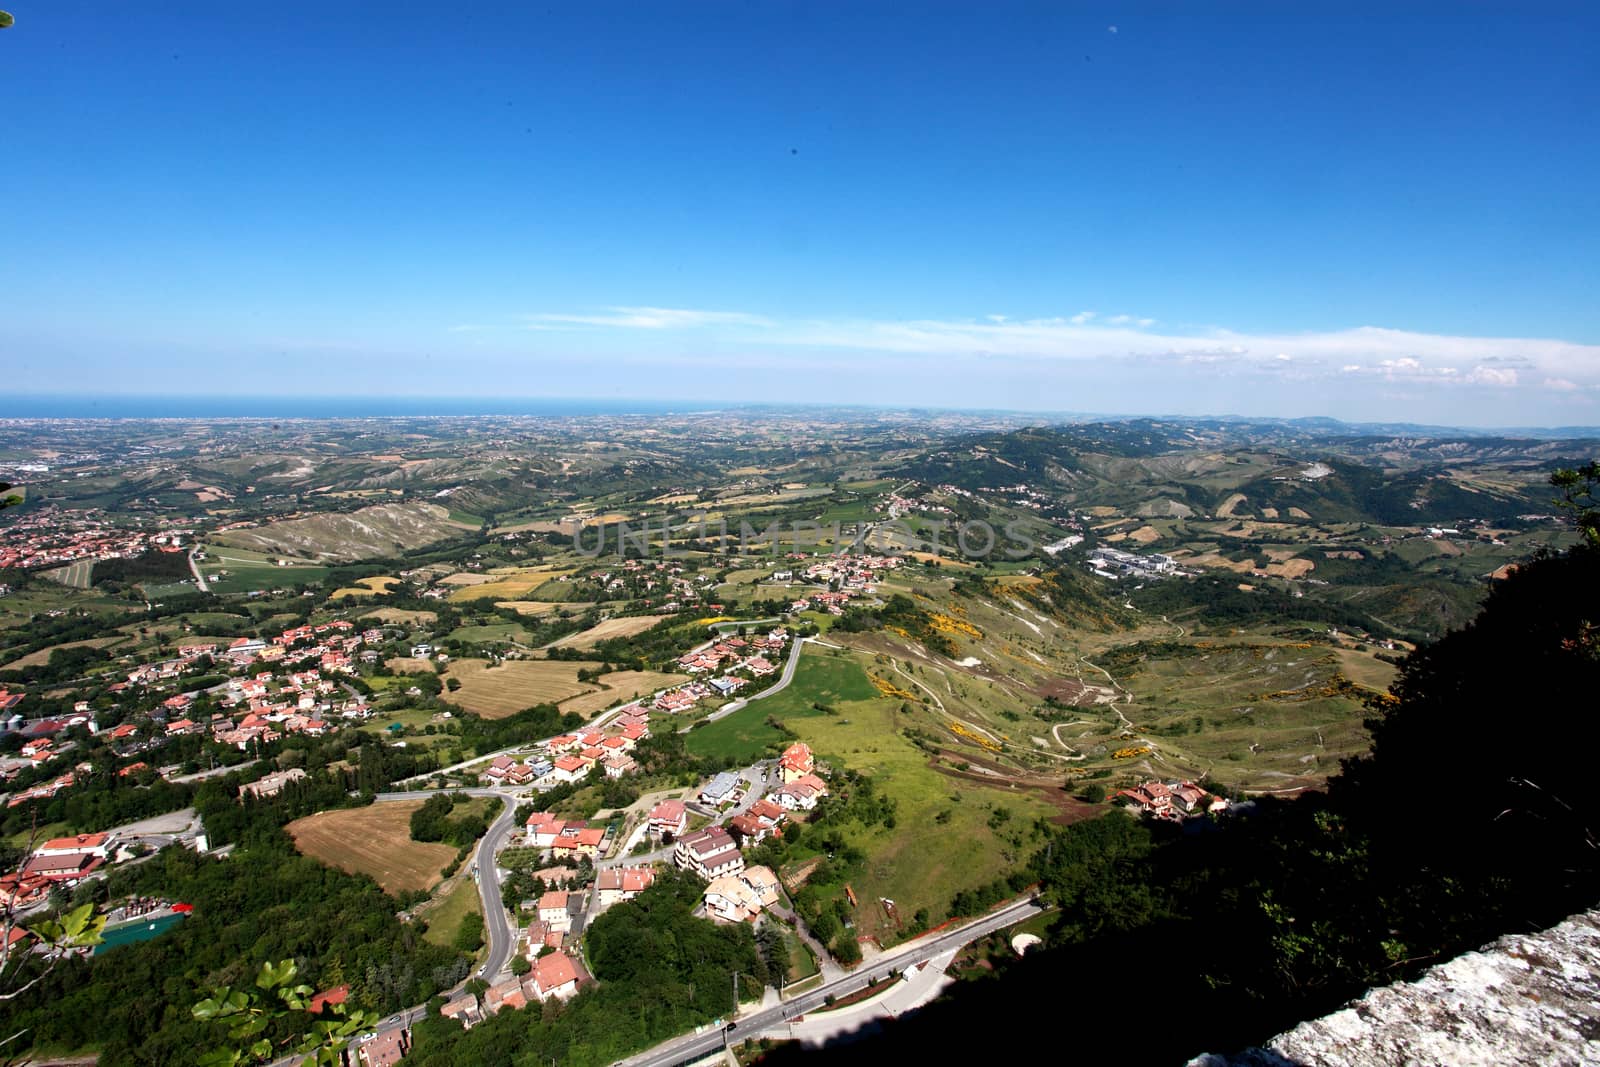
(324, 407)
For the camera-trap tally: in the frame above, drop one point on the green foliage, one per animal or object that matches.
(469, 935)
(263, 903)
(248, 1014)
(661, 971)
(1580, 495)
(432, 821)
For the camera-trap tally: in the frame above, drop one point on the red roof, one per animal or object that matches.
(335, 996)
(80, 843)
(553, 972)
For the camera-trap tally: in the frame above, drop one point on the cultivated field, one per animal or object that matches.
(248, 570)
(41, 657)
(377, 586)
(621, 686)
(537, 607)
(498, 692)
(504, 585)
(374, 840)
(76, 575)
(604, 631)
(401, 617)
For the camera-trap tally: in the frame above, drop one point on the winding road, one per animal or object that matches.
(497, 922)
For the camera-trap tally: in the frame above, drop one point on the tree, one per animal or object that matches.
(78, 928)
(520, 965)
(248, 1013)
(1580, 494)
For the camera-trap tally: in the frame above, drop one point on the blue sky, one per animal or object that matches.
(1177, 208)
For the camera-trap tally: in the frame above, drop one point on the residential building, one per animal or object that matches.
(270, 785)
(796, 762)
(720, 789)
(383, 1049)
(93, 844)
(669, 817)
(710, 853)
(621, 883)
(553, 911)
(554, 975)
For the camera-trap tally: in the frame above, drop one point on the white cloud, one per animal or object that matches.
(647, 318)
(1389, 355)
(1492, 376)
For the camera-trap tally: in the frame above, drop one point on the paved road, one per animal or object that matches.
(199, 579)
(694, 1046)
(739, 705)
(497, 922)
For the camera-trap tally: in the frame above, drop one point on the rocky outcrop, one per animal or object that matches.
(1526, 998)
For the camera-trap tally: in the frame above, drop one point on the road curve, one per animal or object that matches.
(743, 702)
(496, 921)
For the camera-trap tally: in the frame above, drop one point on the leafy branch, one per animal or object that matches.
(247, 1013)
(77, 929)
(1580, 494)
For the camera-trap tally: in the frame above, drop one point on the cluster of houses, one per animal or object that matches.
(293, 695)
(852, 573)
(49, 537)
(564, 839)
(718, 662)
(1175, 801)
(895, 505)
(571, 758)
(832, 601)
(554, 976)
(63, 861)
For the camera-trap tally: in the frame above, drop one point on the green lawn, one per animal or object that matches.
(444, 916)
(923, 862)
(745, 735)
(248, 571)
(498, 631)
(802, 964)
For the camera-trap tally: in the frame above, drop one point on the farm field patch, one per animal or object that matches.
(375, 841)
(377, 586)
(513, 585)
(401, 616)
(610, 628)
(41, 657)
(498, 692)
(621, 686)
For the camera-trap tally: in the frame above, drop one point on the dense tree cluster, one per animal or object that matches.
(264, 902)
(433, 821)
(660, 971)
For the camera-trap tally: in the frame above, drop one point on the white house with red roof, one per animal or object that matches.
(553, 975)
(669, 817)
(94, 844)
(553, 910)
(796, 762)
